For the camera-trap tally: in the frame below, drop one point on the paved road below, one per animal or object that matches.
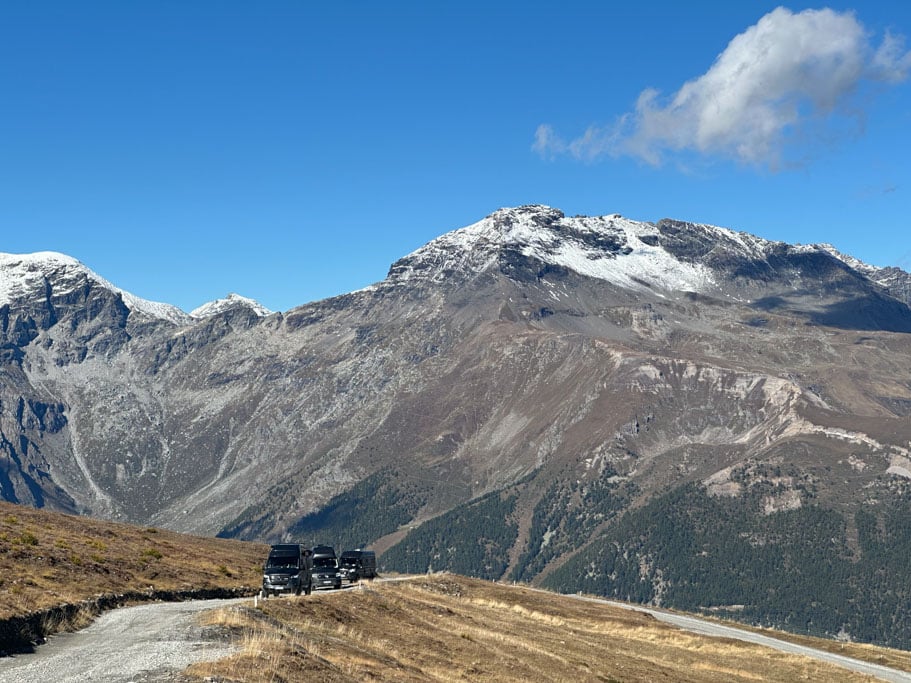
(143, 644)
(710, 628)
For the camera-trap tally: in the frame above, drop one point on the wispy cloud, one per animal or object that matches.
(790, 77)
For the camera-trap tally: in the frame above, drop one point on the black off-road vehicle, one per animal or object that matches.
(326, 573)
(358, 564)
(288, 569)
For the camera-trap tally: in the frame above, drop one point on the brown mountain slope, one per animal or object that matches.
(449, 628)
(48, 559)
(533, 396)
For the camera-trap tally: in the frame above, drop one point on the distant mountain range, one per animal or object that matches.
(670, 412)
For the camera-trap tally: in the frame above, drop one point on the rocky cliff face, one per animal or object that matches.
(527, 349)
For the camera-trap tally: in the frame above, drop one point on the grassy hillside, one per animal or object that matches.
(428, 628)
(447, 628)
(49, 559)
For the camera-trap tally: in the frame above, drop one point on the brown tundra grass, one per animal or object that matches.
(448, 628)
(48, 559)
(439, 628)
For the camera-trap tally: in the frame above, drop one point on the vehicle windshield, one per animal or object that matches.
(281, 561)
(325, 562)
(349, 561)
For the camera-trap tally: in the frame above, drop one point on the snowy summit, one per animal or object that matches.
(24, 275)
(228, 303)
(668, 256)
(608, 247)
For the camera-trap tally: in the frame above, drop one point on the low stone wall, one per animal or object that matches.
(23, 633)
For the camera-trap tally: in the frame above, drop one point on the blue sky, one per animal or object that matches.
(290, 151)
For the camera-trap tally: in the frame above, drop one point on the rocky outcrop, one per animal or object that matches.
(527, 347)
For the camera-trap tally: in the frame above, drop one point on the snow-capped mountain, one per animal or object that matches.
(671, 256)
(24, 276)
(609, 248)
(50, 274)
(230, 302)
(532, 376)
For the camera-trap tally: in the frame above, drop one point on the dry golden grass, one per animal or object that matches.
(49, 559)
(447, 628)
(440, 628)
(895, 659)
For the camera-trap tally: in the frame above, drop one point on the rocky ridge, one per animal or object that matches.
(594, 361)
(159, 379)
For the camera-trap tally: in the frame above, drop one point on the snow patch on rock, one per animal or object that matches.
(610, 248)
(24, 275)
(230, 302)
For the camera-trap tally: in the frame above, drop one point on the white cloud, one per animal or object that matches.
(891, 63)
(789, 77)
(547, 144)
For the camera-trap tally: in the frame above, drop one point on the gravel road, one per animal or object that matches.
(142, 644)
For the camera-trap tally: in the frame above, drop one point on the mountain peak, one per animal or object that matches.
(24, 275)
(667, 256)
(625, 252)
(230, 302)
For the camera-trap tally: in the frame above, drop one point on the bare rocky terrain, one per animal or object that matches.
(535, 378)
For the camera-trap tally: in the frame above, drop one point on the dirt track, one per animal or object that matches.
(142, 644)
